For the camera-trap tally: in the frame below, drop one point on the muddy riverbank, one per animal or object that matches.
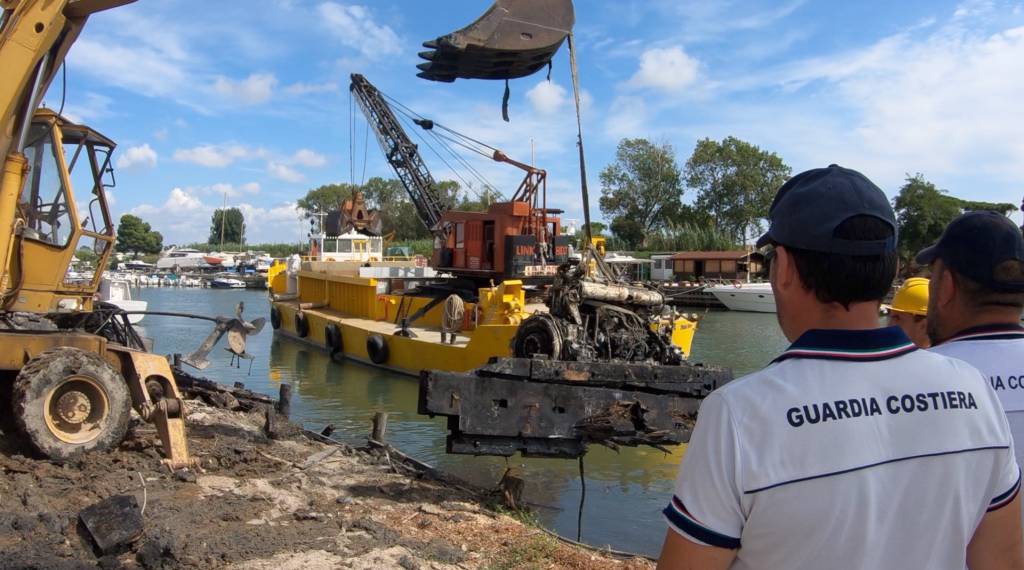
(261, 503)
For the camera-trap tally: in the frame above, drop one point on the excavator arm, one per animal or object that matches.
(35, 36)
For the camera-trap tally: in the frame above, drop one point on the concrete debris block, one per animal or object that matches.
(432, 509)
(460, 506)
(113, 522)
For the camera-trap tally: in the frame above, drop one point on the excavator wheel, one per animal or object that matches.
(67, 402)
(537, 335)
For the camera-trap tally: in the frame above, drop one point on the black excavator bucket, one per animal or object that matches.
(514, 38)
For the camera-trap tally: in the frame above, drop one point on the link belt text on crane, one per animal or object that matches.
(871, 406)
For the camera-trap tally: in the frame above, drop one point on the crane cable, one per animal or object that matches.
(410, 118)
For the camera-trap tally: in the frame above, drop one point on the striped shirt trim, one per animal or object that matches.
(856, 345)
(857, 355)
(1007, 497)
(680, 519)
(1005, 334)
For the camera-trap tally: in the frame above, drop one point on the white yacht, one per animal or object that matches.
(750, 297)
(119, 292)
(183, 257)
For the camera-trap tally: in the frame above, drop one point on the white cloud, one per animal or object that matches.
(306, 88)
(143, 156)
(948, 103)
(547, 97)
(179, 200)
(353, 26)
(284, 172)
(183, 218)
(214, 156)
(85, 109)
(253, 90)
(627, 117)
(668, 69)
(232, 191)
(161, 134)
(306, 157)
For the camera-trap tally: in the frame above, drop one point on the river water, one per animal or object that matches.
(625, 490)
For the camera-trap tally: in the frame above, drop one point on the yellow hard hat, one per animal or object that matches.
(912, 297)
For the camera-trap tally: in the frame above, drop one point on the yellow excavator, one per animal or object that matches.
(67, 389)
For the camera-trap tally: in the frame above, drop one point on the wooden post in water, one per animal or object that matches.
(380, 427)
(284, 400)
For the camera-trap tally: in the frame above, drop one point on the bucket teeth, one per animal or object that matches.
(425, 66)
(428, 55)
(431, 44)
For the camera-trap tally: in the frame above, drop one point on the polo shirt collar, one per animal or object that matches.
(998, 331)
(850, 345)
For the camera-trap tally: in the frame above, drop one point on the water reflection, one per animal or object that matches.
(625, 490)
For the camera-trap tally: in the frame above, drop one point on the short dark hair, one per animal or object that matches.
(845, 279)
(978, 295)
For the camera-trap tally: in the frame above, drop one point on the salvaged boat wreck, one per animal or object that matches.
(554, 408)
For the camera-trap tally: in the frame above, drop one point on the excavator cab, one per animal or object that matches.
(63, 241)
(514, 38)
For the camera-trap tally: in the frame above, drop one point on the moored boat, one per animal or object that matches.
(750, 297)
(227, 283)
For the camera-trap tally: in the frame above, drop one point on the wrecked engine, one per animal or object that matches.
(597, 319)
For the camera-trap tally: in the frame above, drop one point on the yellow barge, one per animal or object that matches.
(337, 307)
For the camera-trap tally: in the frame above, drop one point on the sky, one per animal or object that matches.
(248, 103)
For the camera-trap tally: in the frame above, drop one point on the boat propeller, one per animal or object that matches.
(236, 328)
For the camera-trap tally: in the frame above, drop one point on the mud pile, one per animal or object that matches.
(261, 503)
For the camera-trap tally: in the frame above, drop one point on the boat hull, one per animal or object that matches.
(405, 355)
(752, 299)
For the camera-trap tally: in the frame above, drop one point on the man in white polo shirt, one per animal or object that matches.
(976, 297)
(852, 449)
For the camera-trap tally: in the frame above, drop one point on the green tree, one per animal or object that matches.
(233, 230)
(135, 235)
(642, 190)
(735, 183)
(326, 198)
(597, 228)
(922, 212)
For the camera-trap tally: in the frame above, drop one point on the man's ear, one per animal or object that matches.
(786, 276)
(946, 286)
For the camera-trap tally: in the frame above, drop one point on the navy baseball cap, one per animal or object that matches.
(811, 205)
(977, 245)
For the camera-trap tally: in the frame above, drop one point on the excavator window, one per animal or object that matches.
(44, 200)
(88, 161)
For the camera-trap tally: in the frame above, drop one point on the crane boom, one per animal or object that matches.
(400, 153)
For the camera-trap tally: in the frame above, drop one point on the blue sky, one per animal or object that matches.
(250, 100)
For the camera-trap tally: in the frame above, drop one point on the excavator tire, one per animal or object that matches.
(275, 318)
(537, 335)
(68, 402)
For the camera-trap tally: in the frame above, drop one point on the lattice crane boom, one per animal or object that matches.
(401, 153)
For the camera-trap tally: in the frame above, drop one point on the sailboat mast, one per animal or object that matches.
(223, 214)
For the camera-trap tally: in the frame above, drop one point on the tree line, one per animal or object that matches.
(730, 185)
(733, 183)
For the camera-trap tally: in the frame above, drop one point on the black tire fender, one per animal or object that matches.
(377, 348)
(301, 324)
(59, 368)
(275, 317)
(332, 338)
